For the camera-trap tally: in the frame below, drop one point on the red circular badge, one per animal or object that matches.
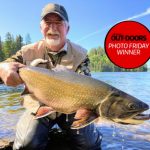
(127, 44)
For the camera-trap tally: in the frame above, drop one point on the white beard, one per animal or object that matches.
(52, 42)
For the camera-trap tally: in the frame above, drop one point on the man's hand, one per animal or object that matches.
(9, 74)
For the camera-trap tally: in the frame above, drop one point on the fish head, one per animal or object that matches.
(123, 108)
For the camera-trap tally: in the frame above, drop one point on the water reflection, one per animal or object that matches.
(10, 110)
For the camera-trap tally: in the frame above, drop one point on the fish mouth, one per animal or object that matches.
(137, 118)
(141, 116)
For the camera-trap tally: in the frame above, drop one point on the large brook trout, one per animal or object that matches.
(68, 92)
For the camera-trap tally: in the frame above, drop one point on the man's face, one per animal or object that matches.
(54, 30)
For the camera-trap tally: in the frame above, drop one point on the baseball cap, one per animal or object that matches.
(55, 8)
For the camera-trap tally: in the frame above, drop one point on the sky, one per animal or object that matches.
(89, 20)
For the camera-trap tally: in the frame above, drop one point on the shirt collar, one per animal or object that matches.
(62, 49)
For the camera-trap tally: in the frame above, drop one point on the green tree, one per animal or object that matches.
(27, 39)
(8, 45)
(1, 52)
(0, 43)
(18, 43)
(100, 62)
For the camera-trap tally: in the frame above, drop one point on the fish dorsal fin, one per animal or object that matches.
(38, 61)
(61, 68)
(83, 117)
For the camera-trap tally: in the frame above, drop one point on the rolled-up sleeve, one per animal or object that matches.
(16, 57)
(84, 67)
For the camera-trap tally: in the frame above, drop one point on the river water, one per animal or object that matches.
(115, 136)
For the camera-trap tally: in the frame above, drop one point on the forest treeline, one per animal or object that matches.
(99, 62)
(12, 44)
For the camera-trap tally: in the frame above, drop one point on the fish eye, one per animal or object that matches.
(115, 94)
(132, 106)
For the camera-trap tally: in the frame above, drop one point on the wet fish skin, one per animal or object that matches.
(68, 92)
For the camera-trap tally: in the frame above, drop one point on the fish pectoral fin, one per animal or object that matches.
(83, 117)
(44, 111)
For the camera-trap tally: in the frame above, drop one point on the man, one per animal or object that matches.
(32, 134)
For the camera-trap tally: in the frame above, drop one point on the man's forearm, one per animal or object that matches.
(14, 58)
